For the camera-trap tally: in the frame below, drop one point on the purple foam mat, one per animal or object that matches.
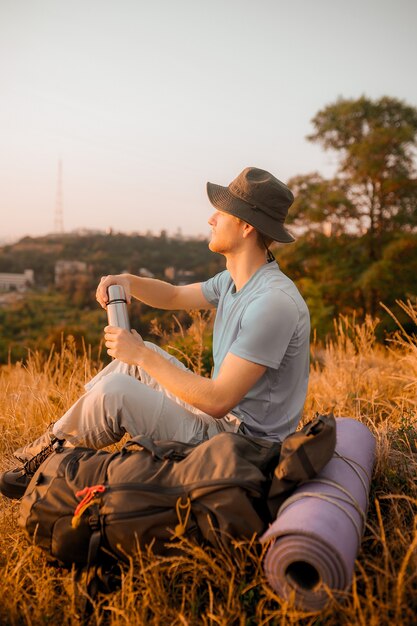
(318, 530)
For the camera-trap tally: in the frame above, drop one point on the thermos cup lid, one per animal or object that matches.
(116, 292)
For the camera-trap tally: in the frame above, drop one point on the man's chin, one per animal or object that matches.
(216, 249)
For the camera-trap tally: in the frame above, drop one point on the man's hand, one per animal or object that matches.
(106, 281)
(123, 345)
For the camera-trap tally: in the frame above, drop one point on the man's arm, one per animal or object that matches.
(156, 293)
(213, 396)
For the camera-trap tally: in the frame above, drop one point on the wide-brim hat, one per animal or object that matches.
(259, 199)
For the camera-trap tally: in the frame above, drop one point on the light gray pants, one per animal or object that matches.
(117, 402)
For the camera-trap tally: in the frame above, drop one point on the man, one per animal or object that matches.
(260, 344)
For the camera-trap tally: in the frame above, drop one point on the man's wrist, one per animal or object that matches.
(142, 353)
(128, 277)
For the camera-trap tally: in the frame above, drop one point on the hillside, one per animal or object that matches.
(334, 274)
(50, 310)
(109, 254)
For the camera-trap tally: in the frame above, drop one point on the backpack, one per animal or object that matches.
(86, 508)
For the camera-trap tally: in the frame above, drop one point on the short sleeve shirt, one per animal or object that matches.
(266, 322)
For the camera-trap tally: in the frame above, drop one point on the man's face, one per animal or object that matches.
(226, 232)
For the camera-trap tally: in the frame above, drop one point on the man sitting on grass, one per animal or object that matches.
(260, 345)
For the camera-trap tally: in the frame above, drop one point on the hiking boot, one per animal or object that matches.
(13, 483)
(31, 449)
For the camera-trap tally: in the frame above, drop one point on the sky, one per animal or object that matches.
(144, 101)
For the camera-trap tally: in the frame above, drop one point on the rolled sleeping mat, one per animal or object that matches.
(318, 530)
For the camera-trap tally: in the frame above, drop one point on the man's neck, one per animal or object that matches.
(242, 266)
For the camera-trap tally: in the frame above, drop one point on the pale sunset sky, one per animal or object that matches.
(146, 100)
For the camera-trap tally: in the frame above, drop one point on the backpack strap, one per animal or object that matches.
(161, 450)
(100, 577)
(305, 462)
(95, 541)
(92, 569)
(303, 454)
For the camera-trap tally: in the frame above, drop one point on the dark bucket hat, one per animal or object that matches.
(257, 198)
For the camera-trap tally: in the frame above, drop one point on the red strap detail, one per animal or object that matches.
(88, 493)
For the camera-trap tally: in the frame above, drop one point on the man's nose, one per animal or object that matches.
(212, 220)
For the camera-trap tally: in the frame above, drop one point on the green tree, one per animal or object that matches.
(376, 142)
(393, 276)
(320, 202)
(371, 201)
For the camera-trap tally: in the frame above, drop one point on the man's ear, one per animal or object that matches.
(248, 229)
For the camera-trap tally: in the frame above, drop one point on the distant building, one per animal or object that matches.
(65, 269)
(169, 272)
(88, 232)
(333, 228)
(327, 228)
(8, 298)
(184, 277)
(180, 277)
(143, 271)
(17, 282)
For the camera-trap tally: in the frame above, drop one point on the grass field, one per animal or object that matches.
(354, 376)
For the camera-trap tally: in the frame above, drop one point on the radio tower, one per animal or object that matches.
(59, 217)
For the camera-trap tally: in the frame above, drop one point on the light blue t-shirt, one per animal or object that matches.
(266, 322)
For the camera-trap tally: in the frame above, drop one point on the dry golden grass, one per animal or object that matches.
(354, 376)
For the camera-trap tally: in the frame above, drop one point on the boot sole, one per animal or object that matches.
(14, 492)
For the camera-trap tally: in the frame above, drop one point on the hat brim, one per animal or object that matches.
(221, 198)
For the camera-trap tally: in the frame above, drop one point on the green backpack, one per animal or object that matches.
(86, 507)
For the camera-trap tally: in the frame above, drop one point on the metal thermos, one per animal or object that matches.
(117, 307)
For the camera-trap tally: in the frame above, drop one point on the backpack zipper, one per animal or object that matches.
(187, 488)
(127, 515)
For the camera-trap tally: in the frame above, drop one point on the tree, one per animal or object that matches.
(394, 273)
(322, 204)
(370, 203)
(376, 143)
